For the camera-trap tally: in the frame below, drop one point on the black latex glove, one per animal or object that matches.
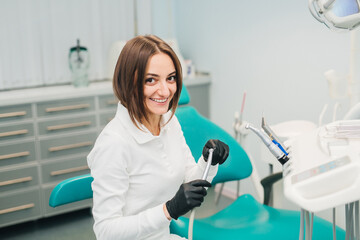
(220, 154)
(188, 196)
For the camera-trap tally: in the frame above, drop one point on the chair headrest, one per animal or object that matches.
(184, 96)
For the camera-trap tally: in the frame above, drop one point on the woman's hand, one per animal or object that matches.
(188, 196)
(220, 154)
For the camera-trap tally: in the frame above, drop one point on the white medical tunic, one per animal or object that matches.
(135, 173)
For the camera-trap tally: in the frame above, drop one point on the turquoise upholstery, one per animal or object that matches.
(184, 96)
(71, 190)
(248, 219)
(245, 218)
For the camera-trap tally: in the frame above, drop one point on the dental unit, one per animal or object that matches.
(321, 170)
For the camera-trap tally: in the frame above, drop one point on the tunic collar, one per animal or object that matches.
(144, 135)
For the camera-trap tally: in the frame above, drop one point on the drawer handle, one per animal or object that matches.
(18, 208)
(14, 181)
(14, 133)
(65, 108)
(69, 125)
(112, 102)
(12, 114)
(71, 146)
(14, 155)
(70, 170)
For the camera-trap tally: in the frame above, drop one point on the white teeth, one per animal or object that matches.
(159, 100)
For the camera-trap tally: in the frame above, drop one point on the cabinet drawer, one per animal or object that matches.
(67, 125)
(64, 208)
(105, 118)
(19, 178)
(65, 146)
(15, 112)
(17, 153)
(16, 132)
(61, 170)
(19, 207)
(108, 102)
(68, 106)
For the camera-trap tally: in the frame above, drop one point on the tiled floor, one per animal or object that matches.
(78, 225)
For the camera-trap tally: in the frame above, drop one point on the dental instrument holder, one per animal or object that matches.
(79, 61)
(192, 214)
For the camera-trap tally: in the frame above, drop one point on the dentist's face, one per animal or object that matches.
(160, 84)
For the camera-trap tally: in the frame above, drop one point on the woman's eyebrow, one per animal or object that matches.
(152, 74)
(156, 75)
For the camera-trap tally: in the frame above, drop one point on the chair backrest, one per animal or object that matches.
(198, 130)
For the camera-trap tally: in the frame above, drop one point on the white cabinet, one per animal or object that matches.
(45, 136)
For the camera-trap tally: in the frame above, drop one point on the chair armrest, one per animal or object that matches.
(267, 183)
(71, 190)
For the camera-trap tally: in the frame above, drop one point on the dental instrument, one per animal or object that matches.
(274, 149)
(268, 130)
(192, 214)
(239, 137)
(272, 135)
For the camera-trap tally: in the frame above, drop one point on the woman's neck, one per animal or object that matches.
(153, 125)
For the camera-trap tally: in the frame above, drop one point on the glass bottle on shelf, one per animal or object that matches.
(79, 62)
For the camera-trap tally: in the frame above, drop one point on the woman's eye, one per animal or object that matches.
(172, 78)
(150, 80)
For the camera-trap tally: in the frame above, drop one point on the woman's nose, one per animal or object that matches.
(164, 89)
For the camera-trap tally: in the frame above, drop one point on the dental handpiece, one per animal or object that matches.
(272, 135)
(274, 149)
(192, 214)
(208, 165)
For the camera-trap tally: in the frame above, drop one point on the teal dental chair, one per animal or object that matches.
(245, 218)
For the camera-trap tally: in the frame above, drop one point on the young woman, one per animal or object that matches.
(144, 173)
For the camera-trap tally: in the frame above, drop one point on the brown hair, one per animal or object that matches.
(129, 75)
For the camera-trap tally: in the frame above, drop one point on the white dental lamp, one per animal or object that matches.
(344, 15)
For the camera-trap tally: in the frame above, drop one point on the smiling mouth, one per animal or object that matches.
(159, 100)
